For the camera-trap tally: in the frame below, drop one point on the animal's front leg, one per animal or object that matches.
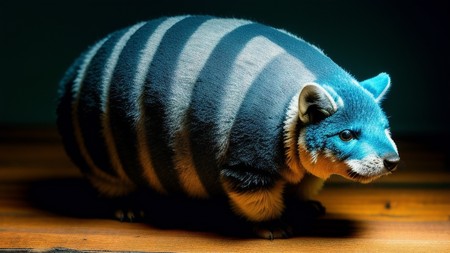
(303, 197)
(258, 198)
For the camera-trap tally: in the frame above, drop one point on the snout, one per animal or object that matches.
(390, 162)
(371, 167)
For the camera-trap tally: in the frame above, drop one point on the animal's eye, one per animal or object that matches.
(346, 135)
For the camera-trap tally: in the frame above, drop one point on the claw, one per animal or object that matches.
(273, 230)
(120, 215)
(130, 215)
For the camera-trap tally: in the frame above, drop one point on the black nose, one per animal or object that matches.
(391, 162)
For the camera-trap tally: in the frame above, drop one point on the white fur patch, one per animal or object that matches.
(370, 167)
(291, 141)
(314, 156)
(302, 144)
(290, 135)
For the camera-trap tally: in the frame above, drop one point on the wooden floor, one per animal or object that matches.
(46, 206)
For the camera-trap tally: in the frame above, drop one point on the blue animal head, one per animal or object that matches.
(345, 130)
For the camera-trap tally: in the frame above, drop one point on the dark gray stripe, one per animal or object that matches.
(207, 96)
(123, 102)
(90, 106)
(156, 91)
(267, 104)
(64, 115)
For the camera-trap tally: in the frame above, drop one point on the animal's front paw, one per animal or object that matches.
(273, 229)
(315, 208)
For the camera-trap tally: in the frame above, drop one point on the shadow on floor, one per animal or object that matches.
(74, 197)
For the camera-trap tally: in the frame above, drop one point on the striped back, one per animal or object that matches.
(169, 102)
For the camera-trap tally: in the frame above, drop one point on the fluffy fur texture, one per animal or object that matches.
(204, 106)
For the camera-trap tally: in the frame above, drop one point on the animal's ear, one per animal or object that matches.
(315, 104)
(377, 86)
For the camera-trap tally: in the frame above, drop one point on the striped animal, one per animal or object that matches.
(201, 106)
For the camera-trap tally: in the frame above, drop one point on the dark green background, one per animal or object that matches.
(407, 39)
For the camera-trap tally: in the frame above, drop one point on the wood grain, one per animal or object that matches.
(45, 205)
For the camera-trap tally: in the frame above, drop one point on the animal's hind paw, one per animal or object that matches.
(275, 229)
(129, 215)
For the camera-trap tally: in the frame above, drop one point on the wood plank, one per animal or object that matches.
(45, 205)
(95, 235)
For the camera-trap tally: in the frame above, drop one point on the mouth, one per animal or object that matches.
(355, 176)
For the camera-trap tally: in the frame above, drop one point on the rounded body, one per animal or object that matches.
(204, 106)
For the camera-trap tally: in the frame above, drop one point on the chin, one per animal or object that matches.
(364, 179)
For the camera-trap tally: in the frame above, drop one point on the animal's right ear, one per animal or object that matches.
(377, 86)
(315, 104)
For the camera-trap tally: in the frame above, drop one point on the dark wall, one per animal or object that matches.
(407, 39)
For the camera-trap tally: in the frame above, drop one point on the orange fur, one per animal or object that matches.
(320, 165)
(189, 179)
(258, 205)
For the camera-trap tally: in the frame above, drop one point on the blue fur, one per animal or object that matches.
(377, 85)
(366, 119)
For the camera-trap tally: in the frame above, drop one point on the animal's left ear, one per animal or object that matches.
(315, 104)
(377, 86)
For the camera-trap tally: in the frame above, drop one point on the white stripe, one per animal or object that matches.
(388, 135)
(105, 183)
(145, 60)
(252, 59)
(83, 67)
(383, 93)
(190, 63)
(110, 65)
(151, 46)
